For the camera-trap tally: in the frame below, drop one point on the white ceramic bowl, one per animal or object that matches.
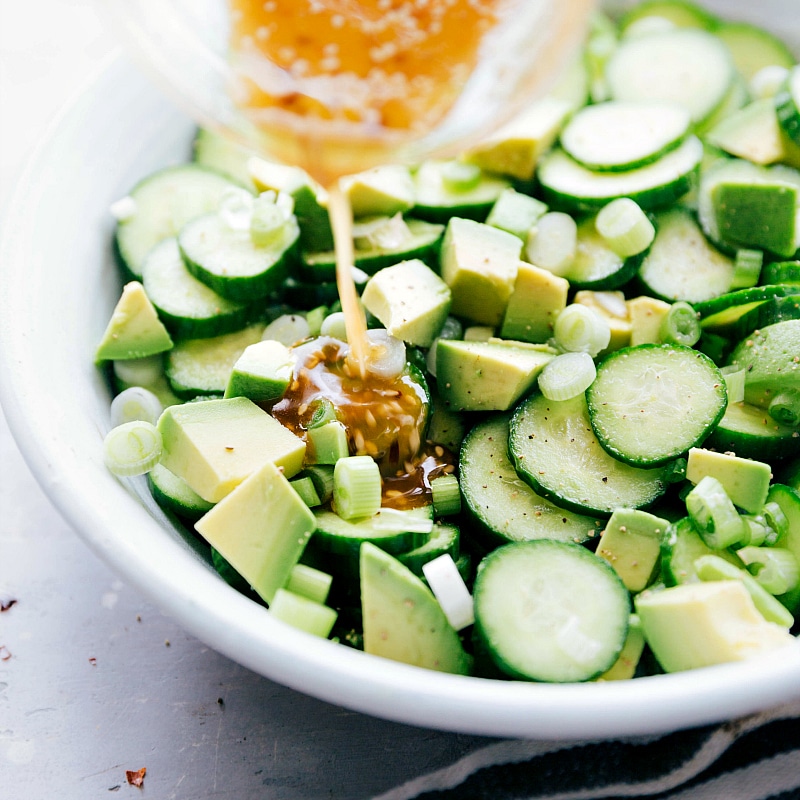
(58, 288)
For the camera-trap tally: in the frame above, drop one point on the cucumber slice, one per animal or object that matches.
(202, 367)
(776, 309)
(188, 308)
(688, 67)
(750, 432)
(555, 451)
(753, 48)
(771, 361)
(422, 243)
(444, 539)
(567, 184)
(650, 403)
(174, 494)
(230, 263)
(220, 154)
(781, 272)
(165, 202)
(501, 506)
(550, 611)
(616, 136)
(720, 314)
(681, 264)
(435, 202)
(681, 13)
(787, 105)
(596, 266)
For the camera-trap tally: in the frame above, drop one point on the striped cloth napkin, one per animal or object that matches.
(754, 758)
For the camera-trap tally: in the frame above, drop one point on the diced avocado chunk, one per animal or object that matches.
(402, 619)
(612, 306)
(536, 300)
(700, 624)
(515, 149)
(516, 213)
(745, 481)
(261, 528)
(479, 263)
(646, 314)
(383, 190)
(625, 665)
(216, 444)
(486, 376)
(631, 543)
(762, 216)
(262, 372)
(411, 301)
(134, 330)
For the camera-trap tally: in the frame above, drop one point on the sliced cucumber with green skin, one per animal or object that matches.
(616, 136)
(681, 13)
(555, 451)
(789, 501)
(681, 546)
(230, 263)
(550, 611)
(776, 309)
(500, 506)
(220, 154)
(681, 264)
(174, 494)
(750, 432)
(596, 266)
(689, 67)
(165, 202)
(787, 105)
(202, 367)
(781, 272)
(568, 185)
(423, 243)
(187, 307)
(444, 539)
(435, 202)
(650, 403)
(753, 48)
(771, 361)
(720, 314)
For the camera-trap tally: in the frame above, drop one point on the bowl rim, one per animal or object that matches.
(116, 521)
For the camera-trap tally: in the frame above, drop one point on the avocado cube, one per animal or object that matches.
(516, 213)
(535, 302)
(610, 305)
(624, 667)
(134, 330)
(261, 528)
(486, 376)
(262, 372)
(761, 216)
(479, 263)
(746, 482)
(631, 543)
(699, 624)
(515, 149)
(381, 191)
(214, 445)
(646, 314)
(411, 301)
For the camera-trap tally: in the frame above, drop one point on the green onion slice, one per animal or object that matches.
(567, 376)
(578, 329)
(356, 487)
(132, 448)
(135, 403)
(680, 325)
(624, 227)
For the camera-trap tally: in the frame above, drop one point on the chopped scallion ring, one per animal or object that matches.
(449, 589)
(775, 568)
(334, 325)
(287, 329)
(140, 371)
(785, 408)
(303, 613)
(309, 582)
(714, 515)
(567, 376)
(746, 268)
(578, 329)
(553, 242)
(356, 487)
(135, 403)
(236, 208)
(625, 228)
(680, 325)
(446, 495)
(387, 354)
(132, 449)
